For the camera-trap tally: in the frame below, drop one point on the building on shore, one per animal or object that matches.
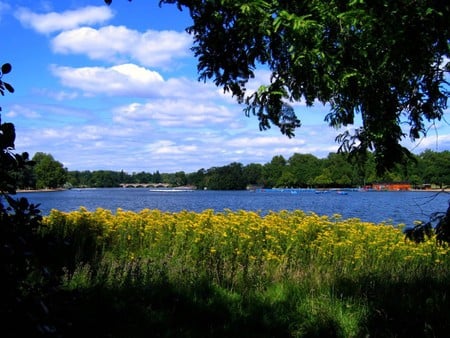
(391, 186)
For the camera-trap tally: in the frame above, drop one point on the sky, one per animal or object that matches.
(116, 88)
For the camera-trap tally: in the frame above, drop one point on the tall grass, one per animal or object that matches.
(246, 274)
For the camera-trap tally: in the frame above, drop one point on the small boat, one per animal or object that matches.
(340, 192)
(170, 190)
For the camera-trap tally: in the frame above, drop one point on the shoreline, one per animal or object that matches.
(39, 190)
(178, 188)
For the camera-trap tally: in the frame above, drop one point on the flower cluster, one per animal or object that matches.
(237, 245)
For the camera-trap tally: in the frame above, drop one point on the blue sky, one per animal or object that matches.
(116, 88)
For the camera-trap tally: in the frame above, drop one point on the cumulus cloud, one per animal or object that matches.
(176, 113)
(53, 21)
(124, 80)
(151, 48)
(134, 81)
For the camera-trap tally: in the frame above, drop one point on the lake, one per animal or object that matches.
(391, 207)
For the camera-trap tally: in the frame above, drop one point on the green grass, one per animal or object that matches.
(240, 274)
(134, 301)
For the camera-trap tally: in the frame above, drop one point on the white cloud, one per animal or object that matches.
(167, 147)
(125, 79)
(135, 81)
(60, 95)
(139, 146)
(54, 134)
(22, 111)
(48, 114)
(176, 113)
(52, 22)
(118, 43)
(434, 142)
(264, 141)
(255, 146)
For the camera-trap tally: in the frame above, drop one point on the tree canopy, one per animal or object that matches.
(387, 60)
(49, 172)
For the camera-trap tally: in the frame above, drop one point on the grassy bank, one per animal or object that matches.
(285, 274)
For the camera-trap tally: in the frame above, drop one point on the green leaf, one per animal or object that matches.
(245, 8)
(356, 2)
(429, 11)
(349, 75)
(6, 68)
(8, 133)
(8, 87)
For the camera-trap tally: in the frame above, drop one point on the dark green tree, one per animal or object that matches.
(287, 179)
(178, 179)
(324, 179)
(197, 179)
(157, 177)
(436, 167)
(123, 177)
(229, 177)
(253, 174)
(341, 171)
(273, 171)
(49, 173)
(80, 179)
(304, 167)
(104, 179)
(142, 177)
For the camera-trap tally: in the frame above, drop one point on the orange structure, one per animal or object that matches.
(397, 186)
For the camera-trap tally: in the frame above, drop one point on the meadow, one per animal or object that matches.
(243, 274)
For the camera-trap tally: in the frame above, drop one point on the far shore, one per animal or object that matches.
(40, 190)
(64, 189)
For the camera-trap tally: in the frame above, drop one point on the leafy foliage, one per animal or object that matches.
(385, 60)
(22, 296)
(10, 162)
(6, 68)
(228, 177)
(438, 226)
(49, 173)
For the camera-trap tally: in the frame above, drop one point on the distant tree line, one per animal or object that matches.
(298, 171)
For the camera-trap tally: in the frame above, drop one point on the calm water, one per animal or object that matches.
(393, 207)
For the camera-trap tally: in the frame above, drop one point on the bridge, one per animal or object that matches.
(144, 185)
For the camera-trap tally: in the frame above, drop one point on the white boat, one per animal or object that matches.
(170, 190)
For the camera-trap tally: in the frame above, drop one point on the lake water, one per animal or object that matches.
(392, 207)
